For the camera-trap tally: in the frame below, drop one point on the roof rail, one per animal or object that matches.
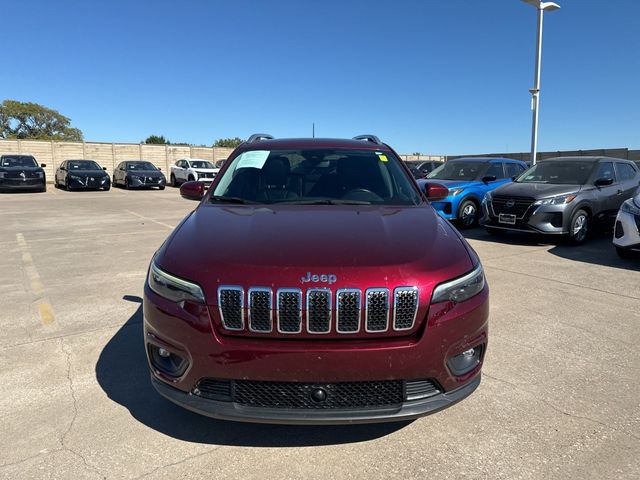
(256, 137)
(369, 138)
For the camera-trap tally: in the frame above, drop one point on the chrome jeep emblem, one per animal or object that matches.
(510, 203)
(322, 278)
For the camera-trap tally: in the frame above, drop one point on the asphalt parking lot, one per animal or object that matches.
(560, 396)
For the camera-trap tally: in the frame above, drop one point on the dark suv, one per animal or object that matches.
(21, 172)
(315, 284)
(562, 196)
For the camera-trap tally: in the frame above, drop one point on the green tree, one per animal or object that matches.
(228, 142)
(34, 121)
(157, 140)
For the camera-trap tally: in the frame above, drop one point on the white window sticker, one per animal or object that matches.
(253, 159)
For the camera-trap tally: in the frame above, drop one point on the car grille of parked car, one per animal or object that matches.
(312, 311)
(298, 395)
(517, 206)
(206, 175)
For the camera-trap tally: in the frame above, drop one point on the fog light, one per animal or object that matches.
(466, 361)
(167, 362)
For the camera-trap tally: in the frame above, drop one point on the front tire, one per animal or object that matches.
(624, 253)
(174, 182)
(126, 184)
(579, 227)
(161, 187)
(468, 214)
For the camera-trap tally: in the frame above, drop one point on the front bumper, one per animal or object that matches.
(88, 182)
(140, 182)
(408, 410)
(19, 184)
(545, 219)
(627, 231)
(447, 208)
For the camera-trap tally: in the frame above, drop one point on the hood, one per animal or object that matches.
(22, 169)
(146, 173)
(535, 190)
(278, 246)
(451, 184)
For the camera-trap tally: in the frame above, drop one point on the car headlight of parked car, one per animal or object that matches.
(40, 174)
(460, 289)
(559, 200)
(2, 174)
(631, 206)
(134, 177)
(455, 191)
(173, 288)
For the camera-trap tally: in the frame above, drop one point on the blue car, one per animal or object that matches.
(468, 179)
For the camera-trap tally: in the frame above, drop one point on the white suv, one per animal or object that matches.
(189, 169)
(626, 235)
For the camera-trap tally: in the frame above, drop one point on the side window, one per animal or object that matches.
(513, 169)
(625, 171)
(605, 170)
(495, 170)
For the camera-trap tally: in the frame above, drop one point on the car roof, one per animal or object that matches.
(584, 159)
(303, 143)
(486, 159)
(189, 159)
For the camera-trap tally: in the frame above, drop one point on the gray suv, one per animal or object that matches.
(562, 196)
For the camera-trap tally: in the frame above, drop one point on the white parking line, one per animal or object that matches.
(170, 227)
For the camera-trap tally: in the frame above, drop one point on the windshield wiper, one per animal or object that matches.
(223, 199)
(326, 201)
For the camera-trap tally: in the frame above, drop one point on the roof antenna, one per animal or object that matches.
(313, 130)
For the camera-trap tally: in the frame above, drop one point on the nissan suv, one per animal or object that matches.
(562, 196)
(315, 284)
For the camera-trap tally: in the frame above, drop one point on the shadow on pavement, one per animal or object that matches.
(597, 250)
(123, 374)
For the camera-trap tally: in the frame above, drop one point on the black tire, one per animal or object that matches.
(43, 188)
(107, 188)
(579, 227)
(625, 253)
(468, 214)
(126, 184)
(495, 232)
(161, 187)
(190, 178)
(174, 182)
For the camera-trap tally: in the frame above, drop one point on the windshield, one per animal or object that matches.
(566, 173)
(322, 176)
(83, 165)
(201, 164)
(458, 170)
(18, 161)
(141, 166)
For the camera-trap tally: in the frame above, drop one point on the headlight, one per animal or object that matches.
(74, 177)
(630, 207)
(487, 198)
(134, 177)
(456, 191)
(460, 289)
(559, 200)
(173, 288)
(40, 174)
(2, 174)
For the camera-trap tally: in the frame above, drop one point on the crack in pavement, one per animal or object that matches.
(558, 409)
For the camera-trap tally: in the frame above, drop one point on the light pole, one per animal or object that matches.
(535, 91)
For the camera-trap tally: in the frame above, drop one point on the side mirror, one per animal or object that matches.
(159, 169)
(43, 165)
(104, 168)
(601, 182)
(489, 178)
(435, 192)
(192, 190)
(62, 169)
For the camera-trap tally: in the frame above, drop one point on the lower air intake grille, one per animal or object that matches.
(214, 389)
(299, 395)
(418, 389)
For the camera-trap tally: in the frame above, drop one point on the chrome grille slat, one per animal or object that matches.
(231, 305)
(289, 307)
(348, 307)
(260, 310)
(405, 307)
(377, 310)
(318, 310)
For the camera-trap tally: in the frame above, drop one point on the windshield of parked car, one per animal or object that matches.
(316, 176)
(201, 164)
(83, 165)
(18, 161)
(143, 166)
(459, 170)
(565, 173)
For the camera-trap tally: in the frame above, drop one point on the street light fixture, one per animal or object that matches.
(535, 91)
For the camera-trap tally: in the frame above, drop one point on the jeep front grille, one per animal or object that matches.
(382, 311)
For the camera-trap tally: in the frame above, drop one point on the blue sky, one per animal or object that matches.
(440, 77)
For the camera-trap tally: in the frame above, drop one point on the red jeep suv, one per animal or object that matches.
(314, 284)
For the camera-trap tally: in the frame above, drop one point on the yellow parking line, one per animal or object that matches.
(45, 310)
(171, 227)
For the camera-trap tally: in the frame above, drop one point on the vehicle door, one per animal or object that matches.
(629, 178)
(183, 170)
(60, 173)
(176, 169)
(608, 197)
(119, 172)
